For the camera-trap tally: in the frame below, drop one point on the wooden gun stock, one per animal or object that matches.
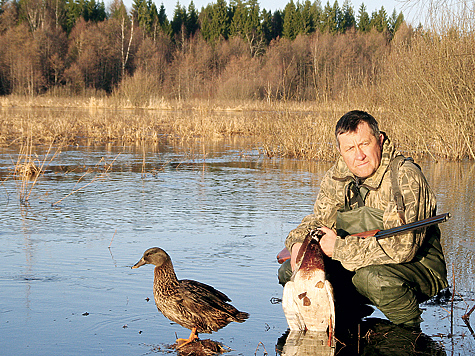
(284, 255)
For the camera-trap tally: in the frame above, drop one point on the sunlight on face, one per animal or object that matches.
(361, 151)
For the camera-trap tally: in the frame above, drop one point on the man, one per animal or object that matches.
(360, 193)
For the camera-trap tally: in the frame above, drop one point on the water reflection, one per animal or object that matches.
(223, 211)
(302, 343)
(373, 337)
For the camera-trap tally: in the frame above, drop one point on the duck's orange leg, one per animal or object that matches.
(193, 336)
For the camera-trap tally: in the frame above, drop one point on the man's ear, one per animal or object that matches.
(381, 140)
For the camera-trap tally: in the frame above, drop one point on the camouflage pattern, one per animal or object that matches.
(355, 253)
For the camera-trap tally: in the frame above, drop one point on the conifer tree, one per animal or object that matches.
(179, 20)
(206, 14)
(395, 21)
(73, 12)
(316, 15)
(253, 29)
(253, 22)
(192, 20)
(219, 20)
(347, 17)
(277, 24)
(306, 18)
(239, 18)
(331, 18)
(364, 22)
(163, 20)
(267, 25)
(290, 27)
(379, 20)
(141, 15)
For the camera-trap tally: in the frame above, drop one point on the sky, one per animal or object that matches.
(371, 5)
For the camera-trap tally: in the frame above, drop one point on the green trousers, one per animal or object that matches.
(395, 289)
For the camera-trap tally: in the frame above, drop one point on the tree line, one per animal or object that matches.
(77, 45)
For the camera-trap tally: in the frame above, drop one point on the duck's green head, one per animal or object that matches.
(155, 256)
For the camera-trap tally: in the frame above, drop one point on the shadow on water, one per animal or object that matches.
(372, 336)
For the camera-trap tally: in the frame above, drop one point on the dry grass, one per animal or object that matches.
(300, 130)
(29, 167)
(291, 130)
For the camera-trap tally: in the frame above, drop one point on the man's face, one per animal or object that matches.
(361, 151)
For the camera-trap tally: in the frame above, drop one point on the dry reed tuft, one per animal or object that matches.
(27, 170)
(29, 167)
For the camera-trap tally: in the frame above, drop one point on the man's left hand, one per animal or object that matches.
(327, 242)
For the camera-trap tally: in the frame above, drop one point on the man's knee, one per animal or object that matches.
(368, 282)
(389, 292)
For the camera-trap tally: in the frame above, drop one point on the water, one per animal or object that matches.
(220, 210)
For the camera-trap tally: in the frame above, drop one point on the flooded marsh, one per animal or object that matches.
(222, 212)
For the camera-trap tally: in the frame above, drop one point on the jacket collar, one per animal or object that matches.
(342, 173)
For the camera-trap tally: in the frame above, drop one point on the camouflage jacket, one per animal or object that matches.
(354, 252)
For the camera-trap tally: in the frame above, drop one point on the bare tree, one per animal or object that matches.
(442, 15)
(125, 51)
(34, 11)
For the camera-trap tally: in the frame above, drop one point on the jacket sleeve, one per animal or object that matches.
(324, 213)
(420, 203)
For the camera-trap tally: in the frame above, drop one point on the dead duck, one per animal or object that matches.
(194, 305)
(308, 297)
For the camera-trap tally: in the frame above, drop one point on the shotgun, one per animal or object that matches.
(381, 234)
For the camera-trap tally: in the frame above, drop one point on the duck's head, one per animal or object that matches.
(155, 256)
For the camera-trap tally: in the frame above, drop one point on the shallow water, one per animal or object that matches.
(222, 213)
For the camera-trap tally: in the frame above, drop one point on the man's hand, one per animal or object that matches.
(327, 242)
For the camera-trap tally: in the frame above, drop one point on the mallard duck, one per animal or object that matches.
(308, 297)
(193, 305)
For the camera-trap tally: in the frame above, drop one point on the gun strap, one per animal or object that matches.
(395, 164)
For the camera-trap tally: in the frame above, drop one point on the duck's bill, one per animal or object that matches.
(139, 263)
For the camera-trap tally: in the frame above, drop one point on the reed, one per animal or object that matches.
(296, 130)
(29, 167)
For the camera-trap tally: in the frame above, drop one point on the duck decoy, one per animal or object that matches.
(191, 304)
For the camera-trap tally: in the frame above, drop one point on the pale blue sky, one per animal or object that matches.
(371, 5)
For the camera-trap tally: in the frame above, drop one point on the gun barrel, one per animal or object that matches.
(413, 226)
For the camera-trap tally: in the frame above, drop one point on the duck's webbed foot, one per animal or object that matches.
(193, 336)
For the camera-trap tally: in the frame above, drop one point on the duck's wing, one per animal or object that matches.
(203, 291)
(210, 303)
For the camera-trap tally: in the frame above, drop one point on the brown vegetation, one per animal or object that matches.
(430, 87)
(420, 86)
(29, 167)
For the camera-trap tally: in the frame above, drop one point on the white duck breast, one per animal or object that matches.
(308, 297)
